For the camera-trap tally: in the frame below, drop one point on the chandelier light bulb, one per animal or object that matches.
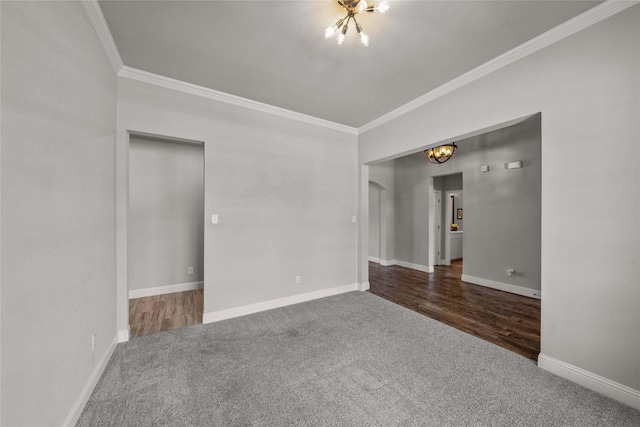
(382, 7)
(329, 32)
(343, 33)
(364, 39)
(362, 6)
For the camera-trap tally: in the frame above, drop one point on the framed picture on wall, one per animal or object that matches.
(459, 213)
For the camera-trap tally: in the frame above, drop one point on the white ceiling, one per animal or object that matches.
(275, 51)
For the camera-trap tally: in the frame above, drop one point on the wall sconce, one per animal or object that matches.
(441, 153)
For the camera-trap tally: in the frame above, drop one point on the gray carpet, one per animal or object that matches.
(350, 360)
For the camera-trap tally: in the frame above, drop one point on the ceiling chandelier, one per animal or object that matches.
(441, 153)
(353, 7)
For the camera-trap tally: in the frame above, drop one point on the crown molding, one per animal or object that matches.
(179, 85)
(102, 29)
(566, 29)
(97, 19)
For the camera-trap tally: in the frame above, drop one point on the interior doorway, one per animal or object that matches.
(165, 233)
(447, 217)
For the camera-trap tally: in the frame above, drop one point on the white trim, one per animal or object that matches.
(374, 259)
(362, 287)
(167, 289)
(389, 262)
(124, 335)
(169, 83)
(566, 29)
(597, 383)
(507, 287)
(419, 267)
(85, 394)
(230, 313)
(104, 34)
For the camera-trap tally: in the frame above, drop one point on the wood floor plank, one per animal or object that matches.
(508, 320)
(148, 315)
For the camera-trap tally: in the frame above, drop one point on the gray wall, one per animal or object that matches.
(412, 210)
(587, 87)
(166, 210)
(58, 281)
(383, 174)
(502, 214)
(374, 221)
(284, 191)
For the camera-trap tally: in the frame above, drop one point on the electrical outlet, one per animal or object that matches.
(511, 272)
(93, 342)
(190, 270)
(298, 280)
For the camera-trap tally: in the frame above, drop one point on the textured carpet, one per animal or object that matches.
(349, 360)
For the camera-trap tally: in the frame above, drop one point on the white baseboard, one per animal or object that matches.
(230, 313)
(168, 289)
(123, 336)
(602, 385)
(388, 262)
(364, 286)
(82, 400)
(419, 267)
(514, 289)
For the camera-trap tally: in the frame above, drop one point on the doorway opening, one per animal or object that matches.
(448, 219)
(165, 233)
(501, 244)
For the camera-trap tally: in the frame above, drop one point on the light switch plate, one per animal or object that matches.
(214, 219)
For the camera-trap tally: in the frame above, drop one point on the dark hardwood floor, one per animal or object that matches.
(502, 318)
(148, 315)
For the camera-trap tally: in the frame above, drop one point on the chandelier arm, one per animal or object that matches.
(358, 27)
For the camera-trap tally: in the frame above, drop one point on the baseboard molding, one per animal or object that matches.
(216, 316)
(123, 336)
(419, 267)
(82, 400)
(168, 289)
(602, 385)
(388, 262)
(364, 286)
(507, 287)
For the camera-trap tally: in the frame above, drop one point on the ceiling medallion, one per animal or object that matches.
(353, 7)
(441, 153)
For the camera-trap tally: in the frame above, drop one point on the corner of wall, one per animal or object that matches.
(82, 400)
